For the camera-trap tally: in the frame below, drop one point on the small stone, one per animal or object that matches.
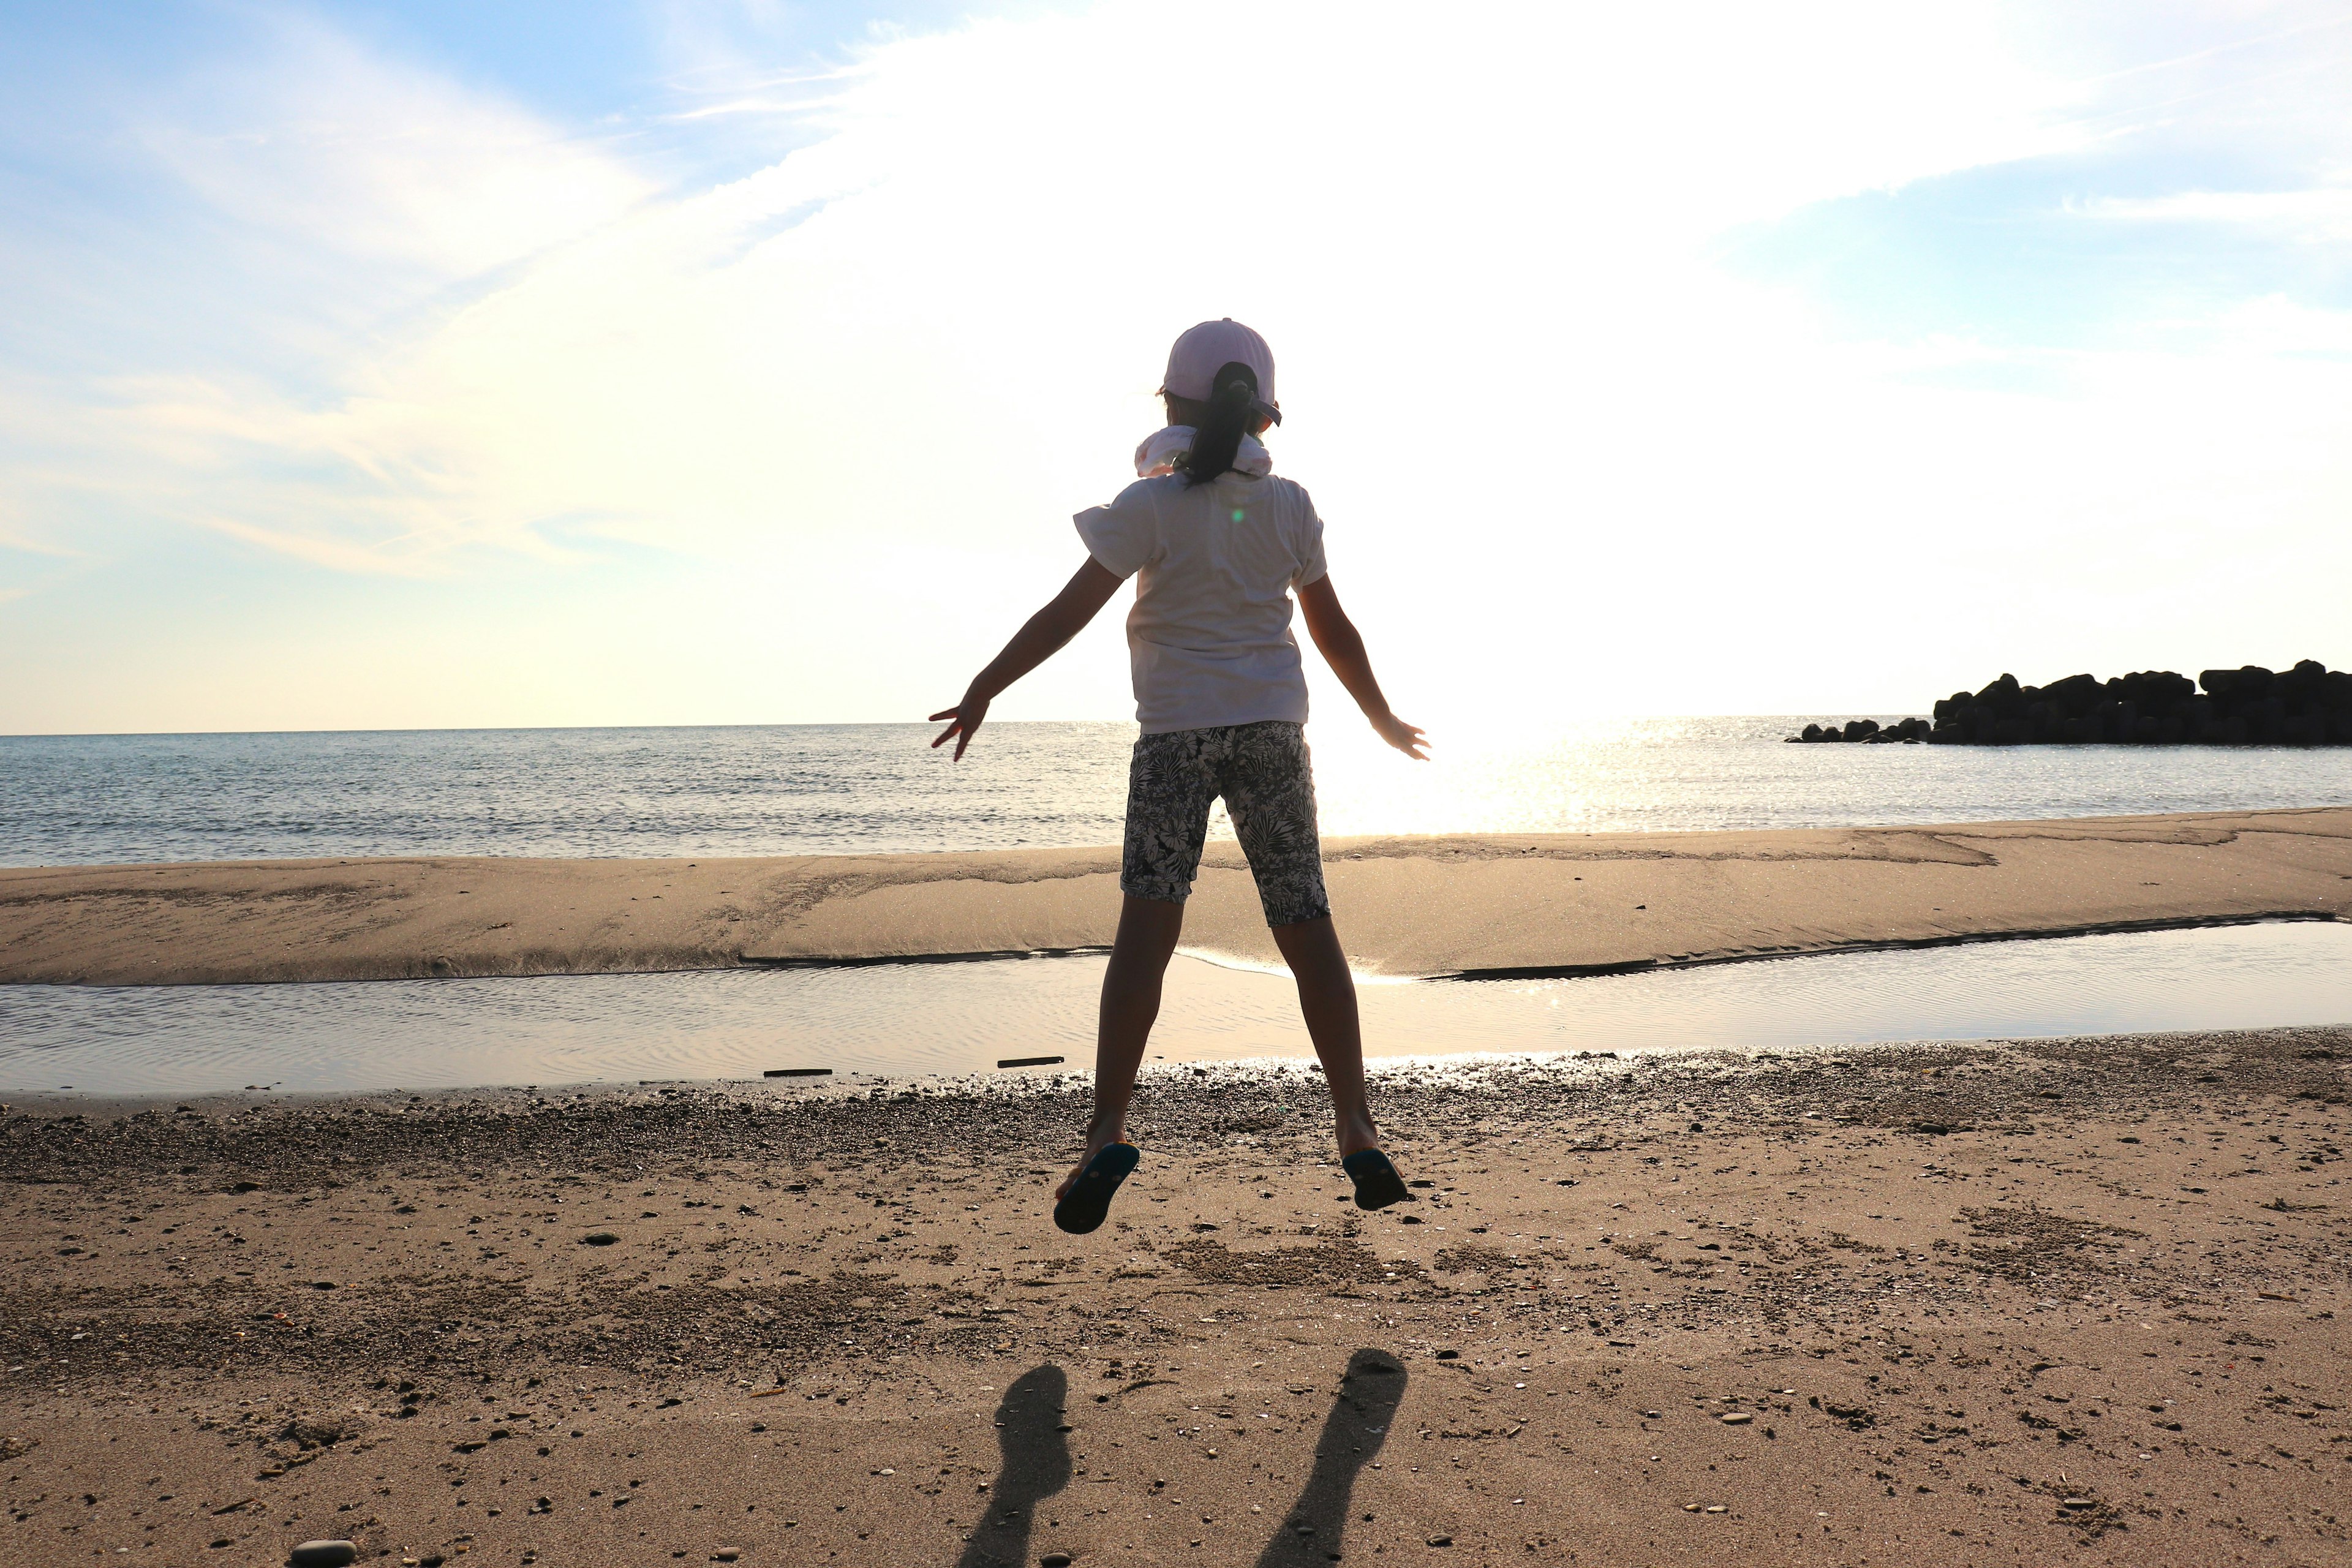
(599, 1239)
(1652, 1415)
(1440, 1541)
(1055, 1560)
(1447, 1355)
(322, 1554)
(2077, 1502)
(1738, 1418)
(727, 1554)
(1716, 1508)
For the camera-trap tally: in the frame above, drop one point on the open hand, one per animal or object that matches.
(1406, 738)
(967, 716)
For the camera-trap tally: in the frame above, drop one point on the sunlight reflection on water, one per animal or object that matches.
(869, 788)
(911, 1018)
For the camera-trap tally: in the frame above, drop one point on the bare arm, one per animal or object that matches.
(1343, 647)
(1038, 640)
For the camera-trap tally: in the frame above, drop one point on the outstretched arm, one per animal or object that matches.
(1032, 645)
(1343, 647)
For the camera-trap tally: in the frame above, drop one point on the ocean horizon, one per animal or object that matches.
(751, 790)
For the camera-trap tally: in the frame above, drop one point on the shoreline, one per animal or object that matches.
(1488, 906)
(1939, 1289)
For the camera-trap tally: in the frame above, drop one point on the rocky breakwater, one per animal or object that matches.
(2309, 705)
(1913, 730)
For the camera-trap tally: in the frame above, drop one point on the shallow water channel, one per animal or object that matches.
(910, 1018)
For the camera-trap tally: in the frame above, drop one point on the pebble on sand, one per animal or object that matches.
(322, 1554)
(599, 1239)
(1738, 1418)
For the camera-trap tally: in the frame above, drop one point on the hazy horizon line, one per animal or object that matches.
(778, 724)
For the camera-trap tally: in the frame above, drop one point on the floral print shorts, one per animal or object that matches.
(1264, 773)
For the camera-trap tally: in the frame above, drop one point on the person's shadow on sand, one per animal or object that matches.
(1036, 1465)
(1352, 1436)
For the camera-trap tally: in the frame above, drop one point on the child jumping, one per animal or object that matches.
(1217, 543)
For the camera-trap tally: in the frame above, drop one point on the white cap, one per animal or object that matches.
(1200, 353)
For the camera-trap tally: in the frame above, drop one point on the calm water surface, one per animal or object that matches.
(880, 787)
(902, 1020)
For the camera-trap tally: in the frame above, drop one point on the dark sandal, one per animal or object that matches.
(1377, 1183)
(1090, 1201)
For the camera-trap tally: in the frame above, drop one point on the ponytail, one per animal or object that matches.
(1217, 437)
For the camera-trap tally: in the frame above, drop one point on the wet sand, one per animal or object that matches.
(1488, 904)
(2071, 1303)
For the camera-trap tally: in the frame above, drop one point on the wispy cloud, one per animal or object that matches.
(928, 329)
(2316, 214)
(319, 143)
(702, 366)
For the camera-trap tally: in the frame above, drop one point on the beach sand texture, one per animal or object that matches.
(1405, 906)
(2059, 1303)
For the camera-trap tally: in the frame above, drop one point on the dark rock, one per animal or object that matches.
(599, 1239)
(322, 1554)
(2309, 705)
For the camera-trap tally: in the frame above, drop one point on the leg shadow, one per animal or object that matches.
(1352, 1434)
(1036, 1465)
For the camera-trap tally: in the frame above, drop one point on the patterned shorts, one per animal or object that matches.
(1264, 773)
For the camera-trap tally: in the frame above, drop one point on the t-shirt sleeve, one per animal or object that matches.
(1306, 547)
(1125, 535)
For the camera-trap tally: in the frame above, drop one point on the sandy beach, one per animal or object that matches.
(1490, 904)
(2037, 1302)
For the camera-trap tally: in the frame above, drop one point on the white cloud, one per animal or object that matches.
(2316, 214)
(934, 312)
(317, 141)
(1566, 459)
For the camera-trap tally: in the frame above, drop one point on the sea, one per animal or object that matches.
(775, 790)
(871, 788)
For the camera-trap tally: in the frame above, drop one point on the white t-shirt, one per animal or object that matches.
(1209, 635)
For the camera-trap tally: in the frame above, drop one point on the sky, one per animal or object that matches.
(375, 365)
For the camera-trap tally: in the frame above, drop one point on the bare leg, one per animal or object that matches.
(1327, 995)
(1148, 930)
